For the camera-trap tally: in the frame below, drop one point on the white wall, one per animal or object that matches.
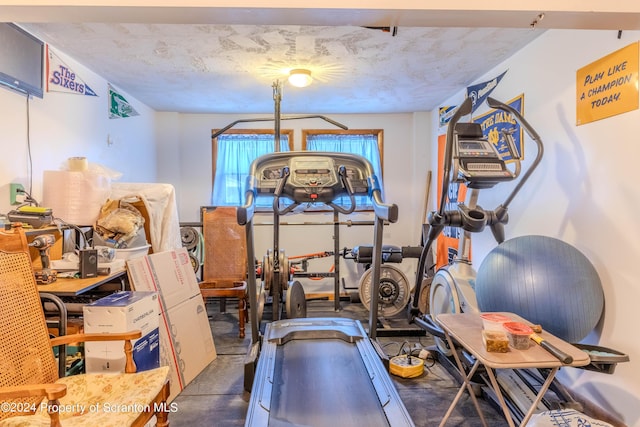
(585, 192)
(63, 125)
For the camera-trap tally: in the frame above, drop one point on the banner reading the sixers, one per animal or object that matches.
(61, 78)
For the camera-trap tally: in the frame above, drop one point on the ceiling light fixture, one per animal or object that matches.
(300, 77)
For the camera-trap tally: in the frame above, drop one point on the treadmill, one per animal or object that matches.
(317, 371)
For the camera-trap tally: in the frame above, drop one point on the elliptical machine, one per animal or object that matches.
(470, 159)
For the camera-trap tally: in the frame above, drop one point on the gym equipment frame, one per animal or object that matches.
(293, 371)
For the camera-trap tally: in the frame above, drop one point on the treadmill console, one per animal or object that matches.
(312, 177)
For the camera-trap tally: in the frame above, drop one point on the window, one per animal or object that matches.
(366, 143)
(233, 153)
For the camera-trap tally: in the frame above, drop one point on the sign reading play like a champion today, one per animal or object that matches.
(608, 86)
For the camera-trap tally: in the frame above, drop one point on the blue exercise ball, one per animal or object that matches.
(544, 280)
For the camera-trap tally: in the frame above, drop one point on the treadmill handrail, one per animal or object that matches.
(342, 173)
(245, 212)
(382, 210)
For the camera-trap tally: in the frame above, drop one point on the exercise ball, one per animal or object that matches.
(544, 280)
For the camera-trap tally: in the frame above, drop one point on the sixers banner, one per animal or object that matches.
(479, 92)
(61, 78)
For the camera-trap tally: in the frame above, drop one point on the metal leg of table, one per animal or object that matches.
(496, 389)
(62, 329)
(541, 393)
(534, 405)
(466, 384)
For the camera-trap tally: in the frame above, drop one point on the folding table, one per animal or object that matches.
(466, 330)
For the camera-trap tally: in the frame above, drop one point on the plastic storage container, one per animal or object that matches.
(494, 321)
(519, 334)
(495, 341)
(131, 253)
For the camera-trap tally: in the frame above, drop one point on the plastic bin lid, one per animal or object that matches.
(517, 328)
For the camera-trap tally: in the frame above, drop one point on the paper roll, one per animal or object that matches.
(75, 197)
(78, 164)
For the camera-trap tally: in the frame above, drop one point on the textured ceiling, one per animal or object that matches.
(208, 68)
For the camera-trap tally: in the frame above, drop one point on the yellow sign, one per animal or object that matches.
(608, 86)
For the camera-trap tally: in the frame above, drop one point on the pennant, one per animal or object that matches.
(479, 92)
(445, 114)
(119, 107)
(61, 78)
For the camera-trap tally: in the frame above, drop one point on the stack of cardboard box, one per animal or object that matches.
(186, 342)
(122, 312)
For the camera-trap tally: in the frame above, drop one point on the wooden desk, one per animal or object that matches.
(64, 287)
(466, 329)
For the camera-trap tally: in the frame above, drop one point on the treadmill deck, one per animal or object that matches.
(322, 372)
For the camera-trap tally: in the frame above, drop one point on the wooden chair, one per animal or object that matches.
(32, 394)
(224, 270)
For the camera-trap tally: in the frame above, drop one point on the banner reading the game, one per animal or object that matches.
(61, 78)
(495, 122)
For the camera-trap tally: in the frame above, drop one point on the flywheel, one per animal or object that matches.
(425, 290)
(393, 293)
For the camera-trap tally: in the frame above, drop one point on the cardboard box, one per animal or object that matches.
(122, 312)
(186, 342)
(169, 273)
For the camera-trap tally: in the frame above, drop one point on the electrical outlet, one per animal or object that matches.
(16, 194)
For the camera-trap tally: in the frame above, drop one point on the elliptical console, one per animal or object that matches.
(477, 162)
